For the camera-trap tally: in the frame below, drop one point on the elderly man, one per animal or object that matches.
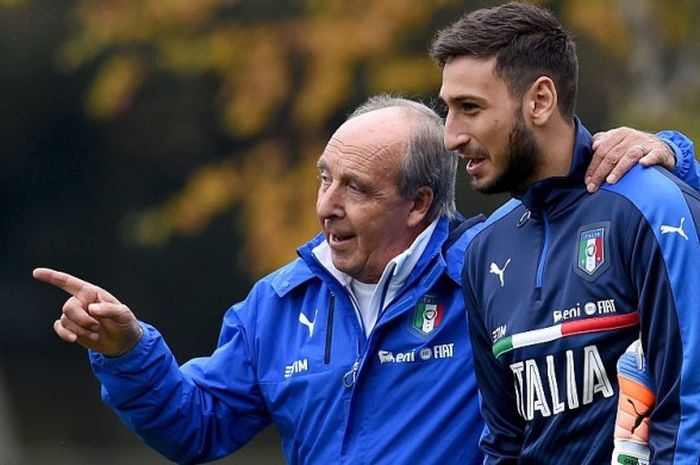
(357, 351)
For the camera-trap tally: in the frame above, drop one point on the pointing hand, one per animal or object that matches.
(92, 317)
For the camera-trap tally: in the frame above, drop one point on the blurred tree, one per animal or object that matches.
(286, 73)
(655, 41)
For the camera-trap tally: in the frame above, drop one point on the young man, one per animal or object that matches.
(560, 282)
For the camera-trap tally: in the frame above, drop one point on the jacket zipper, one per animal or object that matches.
(351, 376)
(329, 329)
(543, 258)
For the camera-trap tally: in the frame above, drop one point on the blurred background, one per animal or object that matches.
(165, 149)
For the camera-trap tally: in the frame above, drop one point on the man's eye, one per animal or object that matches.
(355, 187)
(469, 107)
(324, 180)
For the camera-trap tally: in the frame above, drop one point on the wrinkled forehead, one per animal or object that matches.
(371, 141)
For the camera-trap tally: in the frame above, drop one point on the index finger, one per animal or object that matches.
(65, 281)
(84, 291)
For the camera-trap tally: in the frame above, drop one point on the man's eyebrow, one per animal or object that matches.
(459, 98)
(322, 164)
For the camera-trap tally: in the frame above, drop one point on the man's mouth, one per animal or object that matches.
(473, 165)
(339, 239)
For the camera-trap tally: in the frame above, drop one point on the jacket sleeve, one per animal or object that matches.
(203, 410)
(687, 167)
(502, 438)
(666, 276)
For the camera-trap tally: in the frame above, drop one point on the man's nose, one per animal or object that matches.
(455, 133)
(329, 203)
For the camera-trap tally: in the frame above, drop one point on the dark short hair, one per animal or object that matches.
(427, 162)
(527, 41)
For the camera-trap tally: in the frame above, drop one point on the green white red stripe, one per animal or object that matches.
(569, 328)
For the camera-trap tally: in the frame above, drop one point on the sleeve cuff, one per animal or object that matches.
(672, 140)
(132, 359)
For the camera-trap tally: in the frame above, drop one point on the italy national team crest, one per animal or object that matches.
(428, 314)
(592, 257)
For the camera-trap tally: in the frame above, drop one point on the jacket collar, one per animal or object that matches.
(307, 266)
(396, 271)
(555, 194)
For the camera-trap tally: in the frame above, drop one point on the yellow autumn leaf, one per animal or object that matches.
(115, 85)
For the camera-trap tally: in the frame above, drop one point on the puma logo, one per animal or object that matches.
(666, 229)
(640, 416)
(303, 319)
(499, 271)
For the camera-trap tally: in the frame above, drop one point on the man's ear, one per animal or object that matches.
(421, 204)
(540, 101)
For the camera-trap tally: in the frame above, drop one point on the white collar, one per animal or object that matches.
(368, 307)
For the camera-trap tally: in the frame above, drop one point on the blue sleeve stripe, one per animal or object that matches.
(500, 212)
(662, 203)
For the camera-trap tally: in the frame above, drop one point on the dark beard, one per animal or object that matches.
(521, 162)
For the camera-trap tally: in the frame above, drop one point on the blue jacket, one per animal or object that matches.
(558, 284)
(405, 395)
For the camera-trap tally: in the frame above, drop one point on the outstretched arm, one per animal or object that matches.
(92, 317)
(201, 411)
